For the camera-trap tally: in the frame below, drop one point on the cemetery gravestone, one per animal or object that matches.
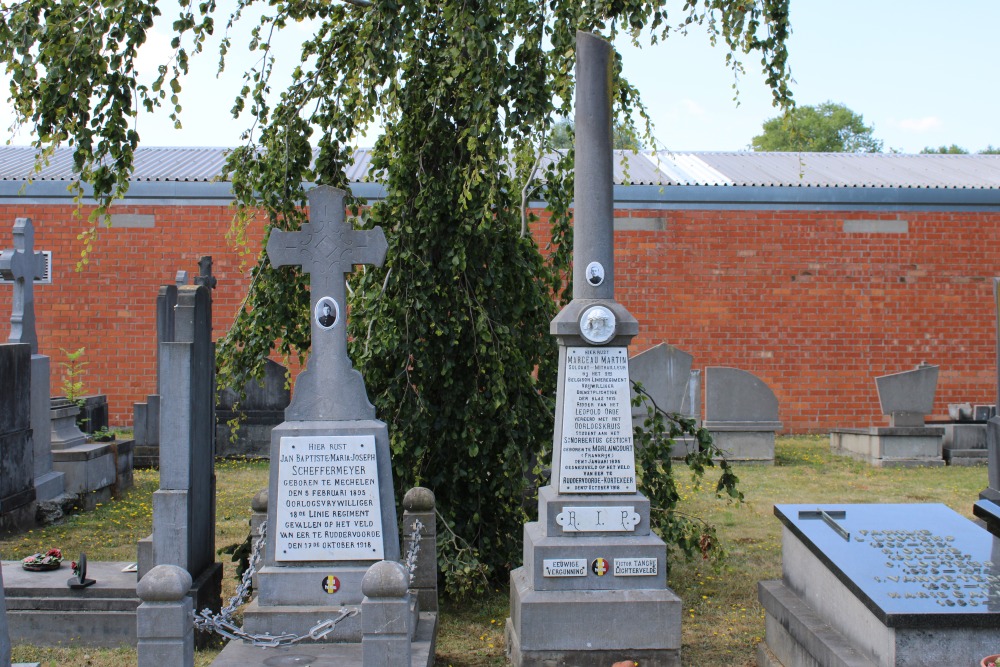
(906, 398)
(881, 585)
(593, 586)
(331, 509)
(261, 409)
(666, 375)
(17, 490)
(24, 265)
(741, 412)
(4, 633)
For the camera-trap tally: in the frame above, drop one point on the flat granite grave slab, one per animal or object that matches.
(887, 585)
(890, 447)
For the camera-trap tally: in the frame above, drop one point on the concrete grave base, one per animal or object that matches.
(299, 618)
(745, 446)
(561, 628)
(964, 444)
(42, 610)
(891, 447)
(95, 471)
(328, 654)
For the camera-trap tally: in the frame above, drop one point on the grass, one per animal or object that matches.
(722, 621)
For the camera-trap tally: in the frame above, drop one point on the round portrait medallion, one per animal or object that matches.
(597, 324)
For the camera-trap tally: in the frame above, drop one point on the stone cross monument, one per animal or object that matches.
(331, 510)
(593, 588)
(24, 265)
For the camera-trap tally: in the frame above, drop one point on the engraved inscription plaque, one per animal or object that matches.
(593, 519)
(596, 441)
(564, 567)
(328, 505)
(635, 567)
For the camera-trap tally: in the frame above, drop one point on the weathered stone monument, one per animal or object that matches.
(146, 416)
(741, 412)
(331, 511)
(906, 398)
(17, 490)
(184, 505)
(260, 410)
(4, 633)
(24, 265)
(593, 588)
(667, 377)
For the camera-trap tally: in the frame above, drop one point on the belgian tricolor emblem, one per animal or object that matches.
(599, 567)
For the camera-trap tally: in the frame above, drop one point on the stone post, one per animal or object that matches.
(259, 515)
(385, 616)
(418, 505)
(164, 623)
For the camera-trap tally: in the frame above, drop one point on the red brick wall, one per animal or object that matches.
(813, 311)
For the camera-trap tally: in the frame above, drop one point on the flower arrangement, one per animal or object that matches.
(991, 661)
(50, 560)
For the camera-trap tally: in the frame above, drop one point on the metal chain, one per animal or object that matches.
(222, 624)
(410, 562)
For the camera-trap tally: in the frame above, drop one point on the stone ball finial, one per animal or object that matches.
(418, 499)
(259, 501)
(385, 579)
(164, 583)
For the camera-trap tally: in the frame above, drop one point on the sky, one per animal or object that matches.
(920, 72)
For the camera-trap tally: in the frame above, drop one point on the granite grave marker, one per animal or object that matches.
(24, 265)
(331, 509)
(591, 556)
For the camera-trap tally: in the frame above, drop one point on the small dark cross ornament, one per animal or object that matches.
(23, 265)
(205, 276)
(830, 518)
(327, 248)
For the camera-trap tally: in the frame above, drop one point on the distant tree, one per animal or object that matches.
(623, 136)
(954, 149)
(989, 150)
(825, 128)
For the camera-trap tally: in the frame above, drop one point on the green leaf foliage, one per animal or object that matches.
(451, 334)
(657, 441)
(825, 128)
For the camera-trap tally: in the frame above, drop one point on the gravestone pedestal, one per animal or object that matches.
(890, 447)
(331, 515)
(17, 491)
(49, 483)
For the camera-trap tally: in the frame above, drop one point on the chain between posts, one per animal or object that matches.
(222, 623)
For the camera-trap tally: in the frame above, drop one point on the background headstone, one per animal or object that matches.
(23, 265)
(908, 397)
(4, 632)
(261, 410)
(741, 412)
(184, 505)
(17, 470)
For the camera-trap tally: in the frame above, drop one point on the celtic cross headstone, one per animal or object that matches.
(331, 508)
(327, 248)
(23, 265)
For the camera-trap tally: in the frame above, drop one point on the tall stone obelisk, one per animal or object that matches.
(593, 587)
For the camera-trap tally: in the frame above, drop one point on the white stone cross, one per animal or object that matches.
(327, 248)
(23, 265)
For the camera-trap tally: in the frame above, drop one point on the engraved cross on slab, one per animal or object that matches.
(23, 265)
(829, 518)
(327, 248)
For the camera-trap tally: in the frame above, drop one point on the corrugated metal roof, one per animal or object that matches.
(825, 170)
